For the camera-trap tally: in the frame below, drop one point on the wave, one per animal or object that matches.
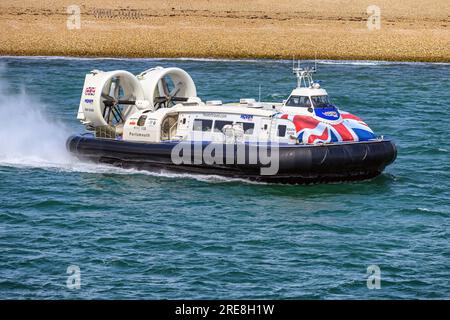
(377, 62)
(329, 62)
(71, 58)
(355, 63)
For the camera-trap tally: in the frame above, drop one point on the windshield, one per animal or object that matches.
(321, 101)
(298, 101)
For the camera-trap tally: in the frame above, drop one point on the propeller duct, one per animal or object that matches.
(108, 98)
(165, 87)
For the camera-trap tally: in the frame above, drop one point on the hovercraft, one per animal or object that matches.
(155, 121)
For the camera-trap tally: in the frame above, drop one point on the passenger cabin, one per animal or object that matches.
(201, 122)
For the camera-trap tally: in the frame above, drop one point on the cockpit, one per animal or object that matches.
(305, 102)
(321, 101)
(298, 101)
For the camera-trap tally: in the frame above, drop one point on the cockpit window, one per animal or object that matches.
(299, 101)
(321, 101)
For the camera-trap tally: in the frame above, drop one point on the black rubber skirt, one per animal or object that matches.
(269, 163)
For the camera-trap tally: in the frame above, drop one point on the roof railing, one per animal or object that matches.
(304, 74)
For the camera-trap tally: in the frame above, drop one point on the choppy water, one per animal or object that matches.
(140, 235)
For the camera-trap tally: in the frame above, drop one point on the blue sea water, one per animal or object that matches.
(138, 235)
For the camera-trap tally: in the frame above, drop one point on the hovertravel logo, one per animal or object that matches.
(231, 150)
(330, 113)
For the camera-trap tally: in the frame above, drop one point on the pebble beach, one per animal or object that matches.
(407, 30)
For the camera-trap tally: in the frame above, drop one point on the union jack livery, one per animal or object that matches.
(315, 129)
(90, 91)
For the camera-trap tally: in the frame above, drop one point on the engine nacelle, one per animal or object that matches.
(100, 86)
(155, 85)
(109, 98)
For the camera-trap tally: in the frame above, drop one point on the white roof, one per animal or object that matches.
(230, 109)
(309, 92)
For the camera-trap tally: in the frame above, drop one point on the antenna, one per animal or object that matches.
(304, 75)
(259, 94)
(315, 61)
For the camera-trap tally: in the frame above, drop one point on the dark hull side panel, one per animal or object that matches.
(297, 163)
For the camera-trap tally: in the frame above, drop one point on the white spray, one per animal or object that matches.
(27, 136)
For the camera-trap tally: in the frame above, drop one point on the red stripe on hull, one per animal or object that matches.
(323, 136)
(303, 122)
(343, 132)
(350, 116)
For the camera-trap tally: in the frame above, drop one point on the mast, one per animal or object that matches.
(304, 75)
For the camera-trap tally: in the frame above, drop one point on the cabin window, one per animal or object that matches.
(183, 121)
(202, 125)
(321, 101)
(141, 120)
(281, 130)
(265, 127)
(248, 127)
(299, 101)
(219, 124)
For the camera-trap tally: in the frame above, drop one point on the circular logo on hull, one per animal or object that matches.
(330, 114)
